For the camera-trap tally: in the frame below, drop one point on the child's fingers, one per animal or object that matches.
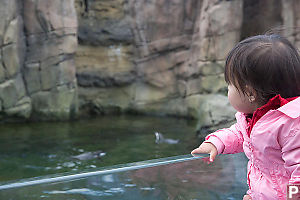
(203, 148)
(247, 197)
(206, 148)
(212, 155)
(197, 151)
(206, 160)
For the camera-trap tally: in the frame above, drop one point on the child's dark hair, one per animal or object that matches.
(269, 64)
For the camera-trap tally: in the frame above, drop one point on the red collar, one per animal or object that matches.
(273, 104)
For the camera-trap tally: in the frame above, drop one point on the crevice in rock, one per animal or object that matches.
(260, 16)
(86, 6)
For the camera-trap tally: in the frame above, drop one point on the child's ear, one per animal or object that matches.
(251, 93)
(251, 99)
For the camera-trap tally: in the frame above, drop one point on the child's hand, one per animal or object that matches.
(209, 148)
(247, 197)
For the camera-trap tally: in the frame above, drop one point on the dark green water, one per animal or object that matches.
(36, 149)
(225, 179)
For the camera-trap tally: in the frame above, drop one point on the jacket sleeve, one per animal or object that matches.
(290, 147)
(227, 140)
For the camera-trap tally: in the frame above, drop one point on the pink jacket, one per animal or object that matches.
(273, 149)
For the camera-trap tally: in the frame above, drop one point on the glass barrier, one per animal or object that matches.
(179, 177)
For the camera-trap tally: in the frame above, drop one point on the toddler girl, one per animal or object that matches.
(263, 76)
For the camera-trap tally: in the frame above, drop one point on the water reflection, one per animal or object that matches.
(35, 149)
(224, 179)
(30, 150)
(196, 179)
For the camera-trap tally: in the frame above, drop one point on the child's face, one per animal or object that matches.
(240, 101)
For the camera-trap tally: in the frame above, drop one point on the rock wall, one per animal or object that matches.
(167, 60)
(49, 69)
(13, 97)
(166, 57)
(134, 56)
(38, 39)
(291, 20)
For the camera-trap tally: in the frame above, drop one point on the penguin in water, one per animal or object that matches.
(159, 138)
(90, 155)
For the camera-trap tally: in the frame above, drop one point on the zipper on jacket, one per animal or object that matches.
(248, 176)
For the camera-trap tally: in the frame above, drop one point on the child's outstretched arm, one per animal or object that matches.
(226, 141)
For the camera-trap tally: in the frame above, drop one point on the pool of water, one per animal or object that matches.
(36, 149)
(43, 151)
(189, 179)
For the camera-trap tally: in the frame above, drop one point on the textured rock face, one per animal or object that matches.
(167, 57)
(37, 73)
(49, 69)
(168, 53)
(145, 56)
(291, 20)
(13, 97)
